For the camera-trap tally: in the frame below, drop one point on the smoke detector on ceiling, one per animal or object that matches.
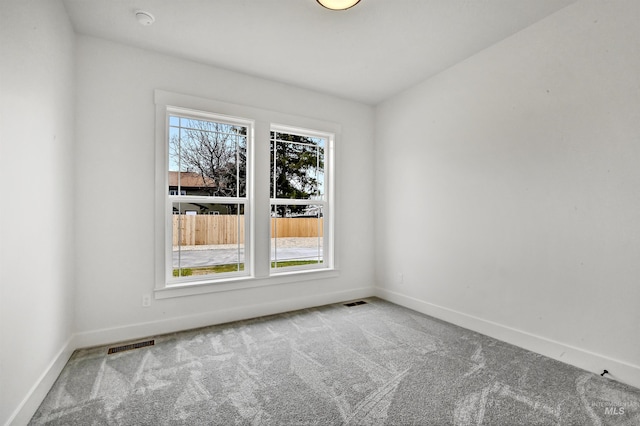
(145, 18)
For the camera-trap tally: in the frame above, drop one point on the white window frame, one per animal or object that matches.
(326, 201)
(245, 201)
(257, 271)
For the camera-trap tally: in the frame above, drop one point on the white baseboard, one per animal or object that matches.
(581, 358)
(25, 411)
(619, 370)
(29, 405)
(171, 325)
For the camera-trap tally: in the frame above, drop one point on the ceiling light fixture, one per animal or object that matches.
(338, 4)
(145, 18)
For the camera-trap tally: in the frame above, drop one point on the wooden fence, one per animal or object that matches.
(226, 229)
(296, 227)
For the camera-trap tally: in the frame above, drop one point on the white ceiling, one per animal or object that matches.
(367, 53)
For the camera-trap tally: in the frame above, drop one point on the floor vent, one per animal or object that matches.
(359, 302)
(131, 346)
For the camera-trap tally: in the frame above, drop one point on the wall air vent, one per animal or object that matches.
(131, 346)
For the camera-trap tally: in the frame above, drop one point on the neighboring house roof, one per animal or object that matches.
(190, 180)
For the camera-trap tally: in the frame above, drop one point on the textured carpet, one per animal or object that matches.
(375, 363)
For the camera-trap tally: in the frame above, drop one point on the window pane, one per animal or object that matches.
(207, 158)
(207, 238)
(296, 235)
(297, 166)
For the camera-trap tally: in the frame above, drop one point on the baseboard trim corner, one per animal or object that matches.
(618, 370)
(29, 405)
(32, 400)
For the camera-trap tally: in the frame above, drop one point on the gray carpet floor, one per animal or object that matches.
(370, 364)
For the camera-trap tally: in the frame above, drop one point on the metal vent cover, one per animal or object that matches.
(138, 345)
(359, 302)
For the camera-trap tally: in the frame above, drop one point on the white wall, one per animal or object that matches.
(507, 193)
(115, 193)
(509, 190)
(36, 224)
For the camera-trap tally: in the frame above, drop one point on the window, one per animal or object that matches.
(207, 179)
(298, 199)
(240, 201)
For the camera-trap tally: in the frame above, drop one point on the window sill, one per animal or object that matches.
(231, 284)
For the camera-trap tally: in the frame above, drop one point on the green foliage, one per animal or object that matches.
(286, 263)
(182, 272)
(206, 270)
(233, 267)
(297, 164)
(217, 152)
